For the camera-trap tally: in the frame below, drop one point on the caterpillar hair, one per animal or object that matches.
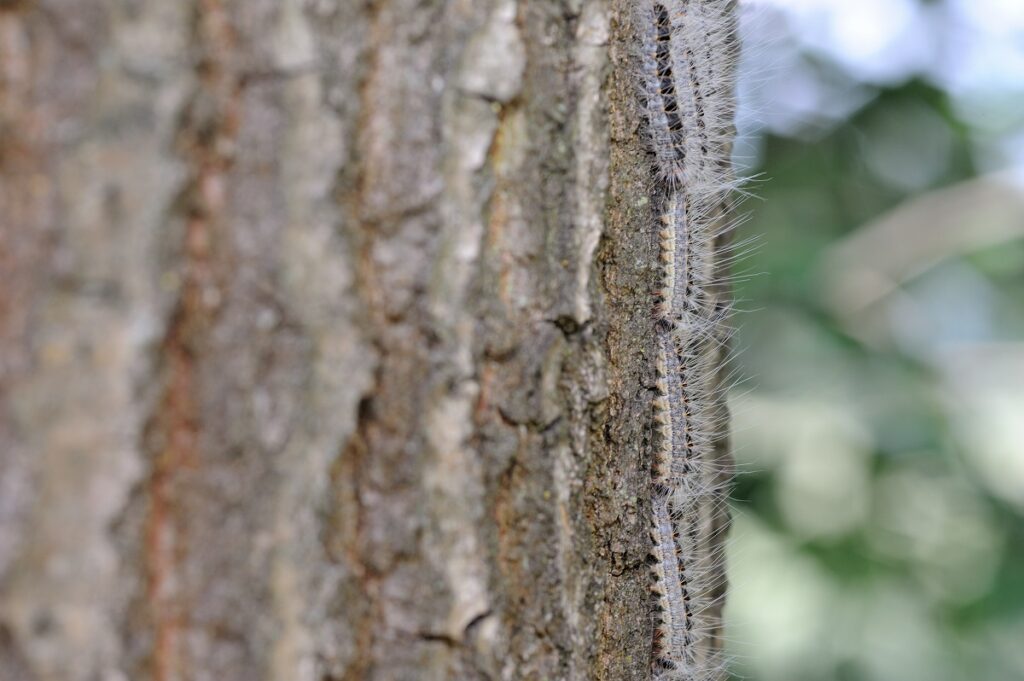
(687, 56)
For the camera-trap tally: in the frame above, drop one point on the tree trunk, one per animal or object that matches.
(326, 341)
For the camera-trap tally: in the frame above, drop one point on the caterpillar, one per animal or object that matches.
(687, 58)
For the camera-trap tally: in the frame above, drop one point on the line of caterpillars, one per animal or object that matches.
(686, 82)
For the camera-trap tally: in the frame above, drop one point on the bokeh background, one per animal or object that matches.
(879, 427)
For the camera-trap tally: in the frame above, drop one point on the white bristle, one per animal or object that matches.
(687, 61)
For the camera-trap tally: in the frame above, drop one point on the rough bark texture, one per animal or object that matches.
(325, 341)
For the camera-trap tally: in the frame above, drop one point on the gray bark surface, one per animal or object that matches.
(325, 341)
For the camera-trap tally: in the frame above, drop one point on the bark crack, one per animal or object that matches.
(173, 433)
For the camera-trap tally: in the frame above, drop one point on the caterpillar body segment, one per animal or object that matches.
(686, 60)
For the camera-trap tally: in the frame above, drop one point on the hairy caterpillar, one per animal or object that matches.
(687, 56)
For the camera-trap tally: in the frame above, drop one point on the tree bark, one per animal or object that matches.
(326, 341)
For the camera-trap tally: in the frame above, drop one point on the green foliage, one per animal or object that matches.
(880, 522)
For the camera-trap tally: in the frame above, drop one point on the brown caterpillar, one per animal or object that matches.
(687, 57)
